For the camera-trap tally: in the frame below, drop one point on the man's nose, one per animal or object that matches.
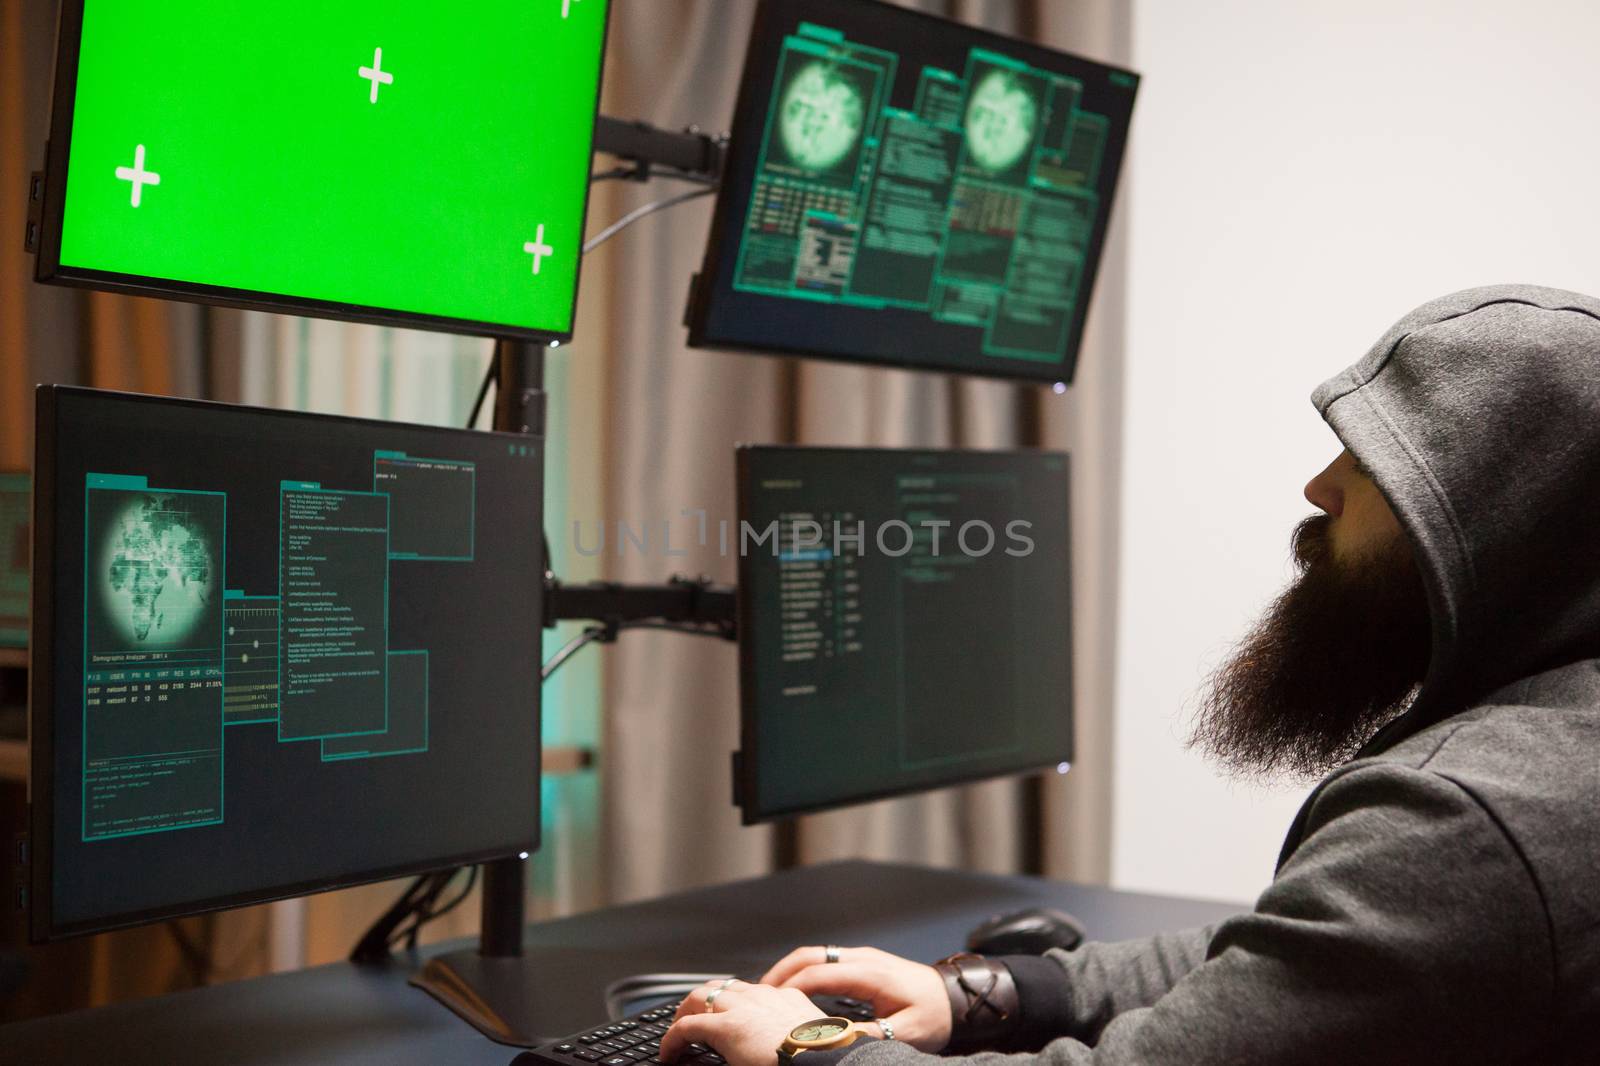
(1323, 493)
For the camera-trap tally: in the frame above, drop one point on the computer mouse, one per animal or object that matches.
(1026, 932)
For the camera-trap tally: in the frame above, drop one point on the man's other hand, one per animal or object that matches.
(745, 1024)
(910, 995)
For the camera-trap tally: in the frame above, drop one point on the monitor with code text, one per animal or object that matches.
(274, 653)
(905, 622)
(402, 163)
(908, 191)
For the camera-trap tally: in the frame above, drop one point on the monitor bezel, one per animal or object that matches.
(703, 285)
(745, 762)
(42, 927)
(49, 269)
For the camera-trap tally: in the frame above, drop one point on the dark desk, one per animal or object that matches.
(340, 1016)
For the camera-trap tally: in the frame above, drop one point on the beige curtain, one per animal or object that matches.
(662, 421)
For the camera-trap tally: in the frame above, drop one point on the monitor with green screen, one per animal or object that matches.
(405, 162)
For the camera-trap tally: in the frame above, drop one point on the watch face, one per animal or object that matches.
(811, 1032)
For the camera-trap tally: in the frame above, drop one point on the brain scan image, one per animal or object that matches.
(822, 116)
(1001, 117)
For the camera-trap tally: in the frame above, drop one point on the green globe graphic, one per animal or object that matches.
(822, 116)
(157, 573)
(1000, 120)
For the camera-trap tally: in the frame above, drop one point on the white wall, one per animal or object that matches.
(1301, 175)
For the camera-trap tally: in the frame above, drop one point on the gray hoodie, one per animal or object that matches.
(1438, 897)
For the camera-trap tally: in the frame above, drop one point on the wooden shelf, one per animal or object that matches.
(14, 657)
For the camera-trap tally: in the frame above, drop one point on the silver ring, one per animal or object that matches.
(831, 953)
(711, 997)
(888, 1030)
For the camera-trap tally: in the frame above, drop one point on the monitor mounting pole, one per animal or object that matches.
(494, 986)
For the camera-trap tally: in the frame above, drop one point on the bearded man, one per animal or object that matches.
(1437, 661)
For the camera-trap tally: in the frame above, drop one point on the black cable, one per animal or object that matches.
(571, 648)
(640, 212)
(195, 957)
(424, 909)
(433, 885)
(489, 376)
(460, 897)
(606, 633)
(635, 173)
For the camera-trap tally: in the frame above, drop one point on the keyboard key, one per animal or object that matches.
(587, 1038)
(566, 1049)
(617, 1060)
(587, 1056)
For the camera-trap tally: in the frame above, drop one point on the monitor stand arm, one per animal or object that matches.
(689, 154)
(684, 604)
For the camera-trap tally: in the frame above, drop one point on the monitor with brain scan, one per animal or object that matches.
(905, 190)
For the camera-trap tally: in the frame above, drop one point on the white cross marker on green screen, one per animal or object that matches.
(537, 248)
(138, 175)
(375, 74)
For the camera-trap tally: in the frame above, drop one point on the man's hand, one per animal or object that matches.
(910, 995)
(745, 1025)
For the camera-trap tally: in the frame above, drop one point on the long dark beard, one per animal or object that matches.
(1340, 652)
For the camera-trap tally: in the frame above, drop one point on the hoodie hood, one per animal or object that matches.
(1478, 415)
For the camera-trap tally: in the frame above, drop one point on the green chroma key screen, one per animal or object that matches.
(413, 163)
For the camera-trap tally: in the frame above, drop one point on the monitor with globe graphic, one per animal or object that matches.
(905, 190)
(259, 637)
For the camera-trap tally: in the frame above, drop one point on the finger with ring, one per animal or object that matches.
(711, 997)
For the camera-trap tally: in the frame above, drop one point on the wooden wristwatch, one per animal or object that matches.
(824, 1034)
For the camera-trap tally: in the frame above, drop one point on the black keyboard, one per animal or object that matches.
(636, 1039)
